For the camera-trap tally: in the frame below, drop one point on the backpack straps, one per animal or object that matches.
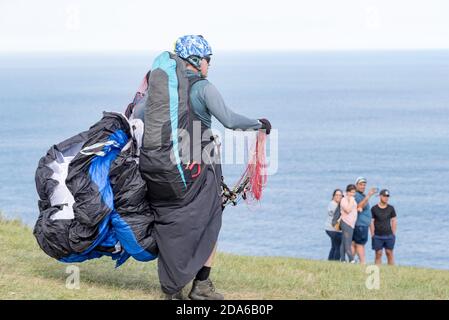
(195, 79)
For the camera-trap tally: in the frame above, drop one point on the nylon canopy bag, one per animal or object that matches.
(92, 196)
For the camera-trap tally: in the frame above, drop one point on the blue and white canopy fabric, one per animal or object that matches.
(92, 196)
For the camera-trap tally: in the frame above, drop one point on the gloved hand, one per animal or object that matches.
(265, 125)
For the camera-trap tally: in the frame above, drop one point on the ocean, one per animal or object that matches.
(383, 115)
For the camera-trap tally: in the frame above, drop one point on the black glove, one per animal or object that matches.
(265, 125)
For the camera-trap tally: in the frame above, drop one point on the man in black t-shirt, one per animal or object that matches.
(383, 228)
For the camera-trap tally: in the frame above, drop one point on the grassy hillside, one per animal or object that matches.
(27, 273)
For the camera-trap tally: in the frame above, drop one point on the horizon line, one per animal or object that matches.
(140, 51)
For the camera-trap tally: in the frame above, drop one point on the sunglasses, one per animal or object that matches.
(207, 58)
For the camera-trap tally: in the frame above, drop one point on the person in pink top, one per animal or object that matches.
(348, 209)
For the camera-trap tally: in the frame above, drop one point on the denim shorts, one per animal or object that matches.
(381, 242)
(360, 235)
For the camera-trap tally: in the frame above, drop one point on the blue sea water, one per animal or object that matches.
(383, 115)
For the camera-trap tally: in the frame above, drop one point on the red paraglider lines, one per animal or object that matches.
(256, 170)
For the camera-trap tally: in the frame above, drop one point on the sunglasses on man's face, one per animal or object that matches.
(207, 58)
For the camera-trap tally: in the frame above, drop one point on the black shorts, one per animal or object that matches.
(383, 242)
(360, 235)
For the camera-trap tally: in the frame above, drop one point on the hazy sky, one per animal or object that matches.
(82, 25)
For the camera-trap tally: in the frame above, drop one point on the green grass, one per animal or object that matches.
(27, 273)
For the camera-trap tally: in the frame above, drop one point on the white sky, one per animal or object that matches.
(83, 25)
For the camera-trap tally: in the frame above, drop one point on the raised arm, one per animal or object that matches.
(345, 206)
(226, 116)
(364, 202)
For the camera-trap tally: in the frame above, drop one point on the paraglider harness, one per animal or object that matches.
(243, 187)
(229, 195)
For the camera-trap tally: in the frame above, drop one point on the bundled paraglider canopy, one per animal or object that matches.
(92, 196)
